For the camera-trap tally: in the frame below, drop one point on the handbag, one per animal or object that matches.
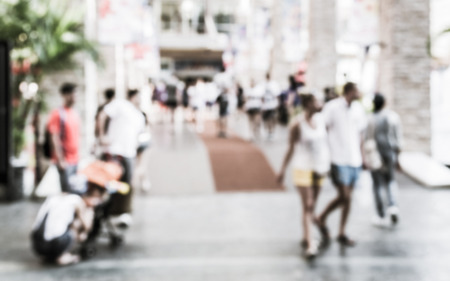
(372, 156)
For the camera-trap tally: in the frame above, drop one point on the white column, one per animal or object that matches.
(90, 77)
(405, 67)
(322, 57)
(120, 71)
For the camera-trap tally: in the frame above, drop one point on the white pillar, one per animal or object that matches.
(322, 57)
(90, 78)
(120, 71)
(405, 67)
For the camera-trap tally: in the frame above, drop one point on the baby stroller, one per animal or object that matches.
(105, 175)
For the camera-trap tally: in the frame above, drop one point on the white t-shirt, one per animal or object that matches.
(345, 125)
(271, 93)
(254, 97)
(212, 92)
(127, 122)
(61, 213)
(197, 95)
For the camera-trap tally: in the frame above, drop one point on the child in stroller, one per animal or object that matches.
(104, 174)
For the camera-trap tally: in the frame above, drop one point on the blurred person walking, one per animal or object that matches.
(385, 130)
(269, 105)
(346, 122)
(185, 99)
(253, 104)
(308, 145)
(172, 99)
(223, 102)
(197, 97)
(121, 143)
(283, 105)
(63, 131)
(240, 97)
(109, 95)
(224, 84)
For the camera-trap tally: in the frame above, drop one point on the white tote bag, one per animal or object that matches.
(372, 156)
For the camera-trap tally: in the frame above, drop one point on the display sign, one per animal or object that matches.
(361, 24)
(120, 21)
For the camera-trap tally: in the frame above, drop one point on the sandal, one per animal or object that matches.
(323, 230)
(304, 244)
(345, 241)
(312, 250)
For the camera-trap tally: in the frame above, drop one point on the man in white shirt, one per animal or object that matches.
(270, 104)
(346, 121)
(121, 142)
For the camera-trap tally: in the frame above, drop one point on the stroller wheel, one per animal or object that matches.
(116, 241)
(88, 252)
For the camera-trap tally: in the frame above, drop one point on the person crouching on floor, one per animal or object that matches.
(63, 221)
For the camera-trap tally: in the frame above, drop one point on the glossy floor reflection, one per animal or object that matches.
(184, 230)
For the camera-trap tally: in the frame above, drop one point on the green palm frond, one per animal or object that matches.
(53, 32)
(48, 37)
(445, 31)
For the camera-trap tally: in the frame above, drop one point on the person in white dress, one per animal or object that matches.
(197, 97)
(309, 147)
(270, 104)
(253, 104)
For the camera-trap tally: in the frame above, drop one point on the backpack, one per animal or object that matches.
(47, 146)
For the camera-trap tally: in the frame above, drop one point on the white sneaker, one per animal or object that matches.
(379, 221)
(122, 221)
(146, 185)
(393, 214)
(312, 250)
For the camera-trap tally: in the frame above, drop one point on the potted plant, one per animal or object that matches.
(45, 36)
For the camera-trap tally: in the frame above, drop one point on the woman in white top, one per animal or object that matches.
(308, 139)
(253, 104)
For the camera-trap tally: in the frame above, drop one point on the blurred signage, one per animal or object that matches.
(362, 23)
(293, 31)
(121, 21)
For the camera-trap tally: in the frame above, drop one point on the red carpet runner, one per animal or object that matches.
(237, 164)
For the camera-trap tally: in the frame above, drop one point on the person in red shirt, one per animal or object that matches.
(64, 127)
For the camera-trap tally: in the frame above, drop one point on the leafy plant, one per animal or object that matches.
(430, 41)
(46, 35)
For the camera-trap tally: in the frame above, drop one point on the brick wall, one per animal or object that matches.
(405, 67)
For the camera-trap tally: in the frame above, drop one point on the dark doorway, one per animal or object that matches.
(5, 118)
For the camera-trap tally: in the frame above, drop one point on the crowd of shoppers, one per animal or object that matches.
(335, 138)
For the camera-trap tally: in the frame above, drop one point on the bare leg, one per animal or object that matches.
(345, 210)
(257, 125)
(251, 121)
(315, 190)
(306, 197)
(321, 219)
(335, 203)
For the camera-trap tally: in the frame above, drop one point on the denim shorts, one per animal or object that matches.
(344, 175)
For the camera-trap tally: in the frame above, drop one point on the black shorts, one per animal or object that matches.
(172, 104)
(253, 111)
(268, 114)
(54, 248)
(223, 109)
